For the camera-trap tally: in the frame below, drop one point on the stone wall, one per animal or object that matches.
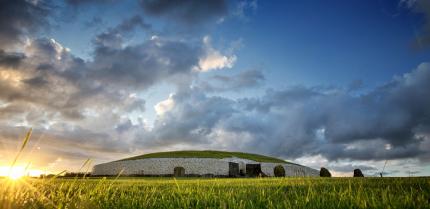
(164, 166)
(290, 169)
(269, 168)
(193, 166)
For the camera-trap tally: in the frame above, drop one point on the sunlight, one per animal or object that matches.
(13, 173)
(18, 172)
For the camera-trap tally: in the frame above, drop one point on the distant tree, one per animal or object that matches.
(358, 173)
(77, 174)
(324, 172)
(47, 176)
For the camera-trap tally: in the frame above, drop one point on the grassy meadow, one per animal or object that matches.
(216, 193)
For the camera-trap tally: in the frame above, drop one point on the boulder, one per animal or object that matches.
(324, 172)
(358, 173)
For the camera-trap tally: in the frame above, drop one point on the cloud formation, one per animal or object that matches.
(389, 122)
(114, 37)
(19, 18)
(140, 66)
(422, 39)
(70, 99)
(87, 2)
(95, 106)
(212, 59)
(244, 80)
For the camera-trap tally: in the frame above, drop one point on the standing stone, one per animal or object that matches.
(279, 171)
(324, 172)
(358, 173)
(253, 170)
(179, 171)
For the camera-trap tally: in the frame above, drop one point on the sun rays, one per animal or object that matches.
(17, 172)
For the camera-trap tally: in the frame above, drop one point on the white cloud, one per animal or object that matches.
(214, 59)
(165, 105)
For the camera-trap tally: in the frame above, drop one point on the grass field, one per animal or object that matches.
(216, 193)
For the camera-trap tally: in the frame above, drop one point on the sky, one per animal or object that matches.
(335, 84)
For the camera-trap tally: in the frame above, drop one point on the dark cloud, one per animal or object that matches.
(351, 167)
(140, 66)
(189, 12)
(88, 2)
(19, 18)
(10, 59)
(55, 81)
(423, 7)
(114, 37)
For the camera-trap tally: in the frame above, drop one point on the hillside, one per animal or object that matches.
(208, 154)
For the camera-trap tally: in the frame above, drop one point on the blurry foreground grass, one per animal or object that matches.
(216, 193)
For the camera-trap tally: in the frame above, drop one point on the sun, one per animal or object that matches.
(17, 172)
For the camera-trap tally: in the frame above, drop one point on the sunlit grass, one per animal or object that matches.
(218, 193)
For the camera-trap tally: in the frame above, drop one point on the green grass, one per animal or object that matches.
(217, 193)
(208, 154)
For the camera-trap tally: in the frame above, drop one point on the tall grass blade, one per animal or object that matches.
(24, 143)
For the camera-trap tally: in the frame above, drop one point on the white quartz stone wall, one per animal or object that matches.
(290, 169)
(163, 166)
(199, 166)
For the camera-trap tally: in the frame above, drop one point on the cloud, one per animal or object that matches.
(72, 143)
(19, 18)
(49, 78)
(243, 80)
(140, 66)
(94, 106)
(94, 102)
(165, 105)
(190, 119)
(213, 59)
(302, 121)
(187, 12)
(8, 59)
(87, 2)
(114, 37)
(49, 88)
(422, 40)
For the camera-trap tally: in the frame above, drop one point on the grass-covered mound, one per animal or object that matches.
(208, 154)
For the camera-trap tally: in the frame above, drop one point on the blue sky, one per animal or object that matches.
(306, 42)
(340, 84)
